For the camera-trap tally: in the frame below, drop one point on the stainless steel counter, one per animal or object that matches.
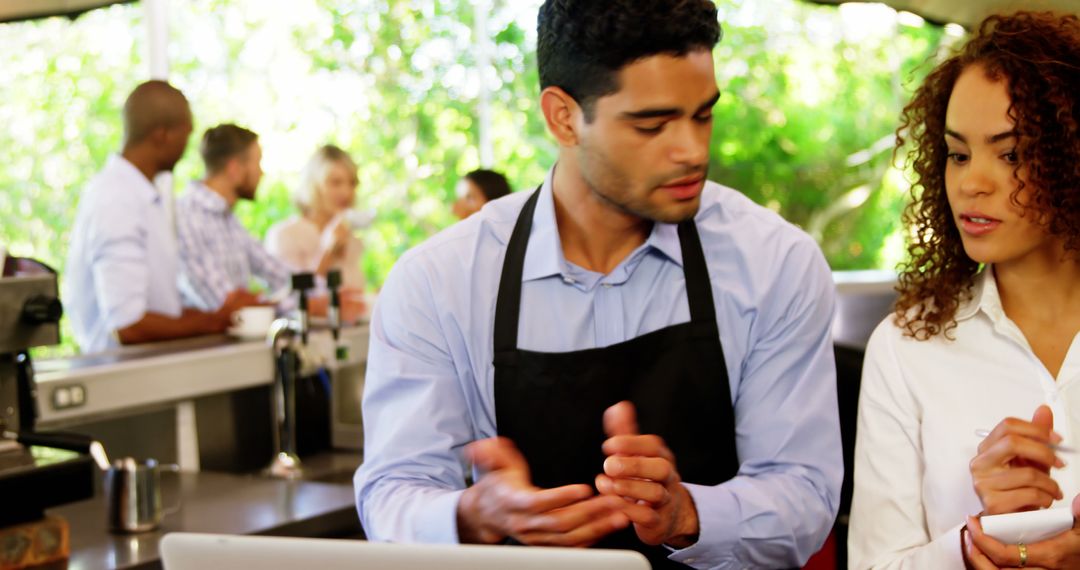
(215, 503)
(170, 376)
(150, 374)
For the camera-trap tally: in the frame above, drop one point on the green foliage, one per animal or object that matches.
(804, 124)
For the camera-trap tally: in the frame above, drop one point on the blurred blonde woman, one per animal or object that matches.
(321, 237)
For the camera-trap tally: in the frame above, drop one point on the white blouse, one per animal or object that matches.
(919, 407)
(298, 242)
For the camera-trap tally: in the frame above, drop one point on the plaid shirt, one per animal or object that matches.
(217, 254)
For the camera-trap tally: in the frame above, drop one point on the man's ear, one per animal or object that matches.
(234, 167)
(562, 114)
(159, 135)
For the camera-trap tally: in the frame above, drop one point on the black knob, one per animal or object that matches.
(42, 310)
(333, 278)
(302, 281)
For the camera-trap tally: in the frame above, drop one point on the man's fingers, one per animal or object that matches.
(643, 445)
(649, 468)
(580, 537)
(620, 419)
(634, 490)
(643, 515)
(543, 500)
(496, 453)
(577, 523)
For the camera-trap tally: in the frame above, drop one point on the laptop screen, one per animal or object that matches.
(189, 551)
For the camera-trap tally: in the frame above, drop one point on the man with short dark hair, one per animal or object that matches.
(631, 356)
(120, 283)
(218, 256)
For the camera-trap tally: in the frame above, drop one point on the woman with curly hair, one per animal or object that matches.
(988, 309)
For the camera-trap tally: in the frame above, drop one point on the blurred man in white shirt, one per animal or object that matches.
(121, 281)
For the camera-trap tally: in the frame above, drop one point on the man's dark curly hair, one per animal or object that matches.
(1037, 54)
(582, 44)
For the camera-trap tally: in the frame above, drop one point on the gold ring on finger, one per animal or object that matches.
(1023, 554)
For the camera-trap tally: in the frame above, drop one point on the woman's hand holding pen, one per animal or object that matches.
(1011, 472)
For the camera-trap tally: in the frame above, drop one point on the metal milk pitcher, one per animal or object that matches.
(133, 495)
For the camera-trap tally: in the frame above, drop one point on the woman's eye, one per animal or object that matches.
(1011, 157)
(958, 157)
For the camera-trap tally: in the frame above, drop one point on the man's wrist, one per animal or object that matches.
(469, 530)
(687, 527)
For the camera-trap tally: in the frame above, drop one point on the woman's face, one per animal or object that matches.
(979, 174)
(470, 199)
(338, 189)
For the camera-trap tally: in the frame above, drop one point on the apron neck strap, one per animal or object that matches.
(696, 271)
(508, 304)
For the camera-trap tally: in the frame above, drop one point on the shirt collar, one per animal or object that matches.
(124, 167)
(985, 297)
(202, 196)
(544, 256)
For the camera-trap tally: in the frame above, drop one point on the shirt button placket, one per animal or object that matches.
(611, 312)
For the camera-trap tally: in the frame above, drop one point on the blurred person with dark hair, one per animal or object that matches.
(321, 237)
(985, 328)
(218, 256)
(121, 281)
(631, 356)
(478, 188)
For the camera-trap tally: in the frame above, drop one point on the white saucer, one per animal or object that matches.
(245, 335)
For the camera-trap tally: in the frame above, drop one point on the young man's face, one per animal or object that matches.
(249, 172)
(646, 150)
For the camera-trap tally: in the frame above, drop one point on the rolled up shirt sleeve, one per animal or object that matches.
(415, 418)
(781, 506)
(120, 267)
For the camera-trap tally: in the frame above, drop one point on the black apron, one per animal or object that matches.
(552, 404)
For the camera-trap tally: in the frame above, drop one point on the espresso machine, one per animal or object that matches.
(37, 470)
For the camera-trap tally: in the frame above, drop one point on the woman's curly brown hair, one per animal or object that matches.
(1037, 54)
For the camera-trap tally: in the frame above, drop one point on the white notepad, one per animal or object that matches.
(1027, 527)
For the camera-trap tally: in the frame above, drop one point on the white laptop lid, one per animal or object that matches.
(190, 551)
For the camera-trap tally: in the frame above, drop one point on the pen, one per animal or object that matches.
(1054, 446)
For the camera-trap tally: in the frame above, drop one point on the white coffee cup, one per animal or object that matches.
(252, 321)
(359, 219)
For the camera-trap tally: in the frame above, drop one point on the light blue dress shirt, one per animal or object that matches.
(122, 262)
(429, 387)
